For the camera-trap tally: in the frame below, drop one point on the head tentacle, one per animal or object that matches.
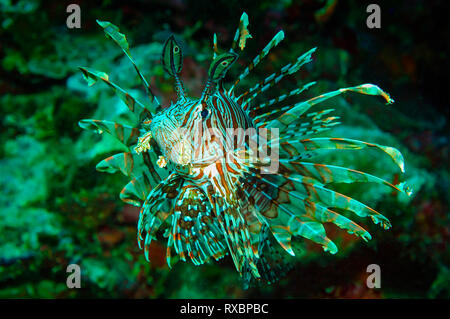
(172, 61)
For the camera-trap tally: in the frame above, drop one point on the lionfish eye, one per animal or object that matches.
(176, 49)
(204, 113)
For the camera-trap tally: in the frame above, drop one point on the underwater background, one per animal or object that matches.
(56, 209)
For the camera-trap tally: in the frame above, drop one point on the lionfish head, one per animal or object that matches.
(176, 127)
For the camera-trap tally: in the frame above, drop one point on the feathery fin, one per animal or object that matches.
(139, 109)
(112, 31)
(300, 108)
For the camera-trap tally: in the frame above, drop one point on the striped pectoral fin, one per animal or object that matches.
(139, 109)
(284, 214)
(303, 200)
(267, 208)
(314, 199)
(290, 221)
(127, 135)
(194, 233)
(325, 215)
(329, 198)
(209, 243)
(294, 148)
(112, 31)
(344, 143)
(292, 115)
(153, 224)
(212, 239)
(243, 241)
(238, 240)
(240, 228)
(149, 223)
(313, 208)
(283, 236)
(313, 231)
(329, 173)
(156, 209)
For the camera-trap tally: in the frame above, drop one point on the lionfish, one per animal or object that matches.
(212, 192)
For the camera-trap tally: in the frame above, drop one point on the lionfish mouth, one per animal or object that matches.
(180, 152)
(221, 204)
